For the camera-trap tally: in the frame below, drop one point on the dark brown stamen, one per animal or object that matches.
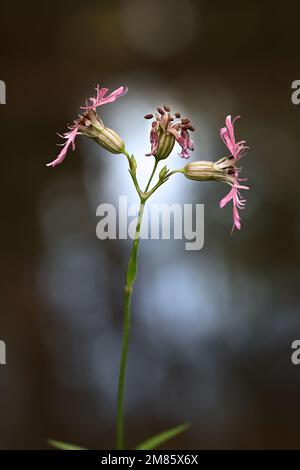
(185, 121)
(167, 108)
(191, 128)
(148, 116)
(161, 111)
(177, 115)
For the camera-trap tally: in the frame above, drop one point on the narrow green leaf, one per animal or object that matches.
(64, 445)
(159, 439)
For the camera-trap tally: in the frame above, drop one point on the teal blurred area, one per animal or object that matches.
(212, 330)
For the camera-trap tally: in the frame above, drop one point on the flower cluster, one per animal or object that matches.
(165, 130)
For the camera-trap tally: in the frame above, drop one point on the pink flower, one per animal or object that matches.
(165, 131)
(81, 125)
(237, 150)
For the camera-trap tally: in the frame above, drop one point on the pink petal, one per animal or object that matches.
(70, 141)
(185, 142)
(226, 199)
(237, 203)
(237, 150)
(236, 217)
(154, 140)
(227, 135)
(101, 99)
(224, 134)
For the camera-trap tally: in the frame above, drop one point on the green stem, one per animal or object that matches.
(163, 181)
(133, 174)
(152, 174)
(130, 279)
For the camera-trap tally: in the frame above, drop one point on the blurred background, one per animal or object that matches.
(212, 329)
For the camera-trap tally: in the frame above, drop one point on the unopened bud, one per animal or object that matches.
(133, 164)
(163, 172)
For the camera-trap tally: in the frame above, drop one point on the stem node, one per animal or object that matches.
(128, 290)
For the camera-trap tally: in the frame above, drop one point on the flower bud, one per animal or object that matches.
(91, 126)
(163, 172)
(133, 164)
(210, 171)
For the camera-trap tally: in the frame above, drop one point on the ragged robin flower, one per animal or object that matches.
(237, 151)
(90, 125)
(224, 170)
(165, 130)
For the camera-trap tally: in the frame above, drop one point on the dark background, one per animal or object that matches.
(212, 329)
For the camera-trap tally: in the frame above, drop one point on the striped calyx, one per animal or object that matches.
(92, 126)
(165, 144)
(221, 171)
